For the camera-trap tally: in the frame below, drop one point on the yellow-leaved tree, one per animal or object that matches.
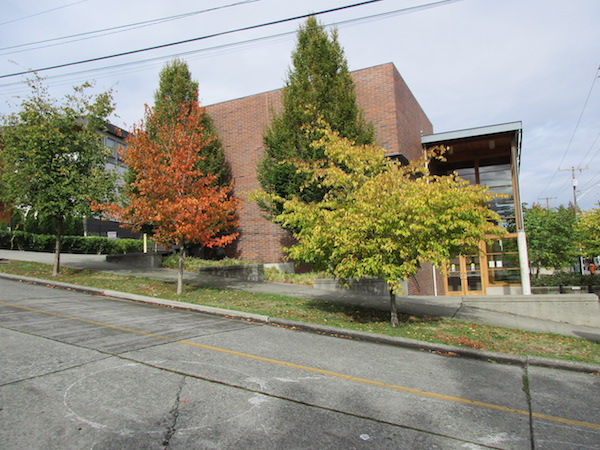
(381, 219)
(588, 229)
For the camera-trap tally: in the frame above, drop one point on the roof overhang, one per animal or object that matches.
(512, 129)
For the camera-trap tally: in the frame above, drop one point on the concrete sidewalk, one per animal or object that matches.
(483, 310)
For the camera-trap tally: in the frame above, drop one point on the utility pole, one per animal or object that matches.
(573, 169)
(547, 200)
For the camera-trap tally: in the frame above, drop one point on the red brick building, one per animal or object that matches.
(385, 100)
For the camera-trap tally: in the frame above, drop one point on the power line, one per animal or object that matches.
(252, 27)
(42, 12)
(156, 47)
(246, 41)
(589, 150)
(114, 30)
(574, 131)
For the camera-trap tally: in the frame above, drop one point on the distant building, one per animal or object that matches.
(113, 138)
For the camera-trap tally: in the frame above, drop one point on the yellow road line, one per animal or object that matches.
(319, 371)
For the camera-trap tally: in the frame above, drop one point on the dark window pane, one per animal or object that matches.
(505, 276)
(496, 178)
(467, 174)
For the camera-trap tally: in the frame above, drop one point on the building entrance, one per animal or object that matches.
(465, 276)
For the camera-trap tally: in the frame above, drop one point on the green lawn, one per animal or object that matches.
(440, 330)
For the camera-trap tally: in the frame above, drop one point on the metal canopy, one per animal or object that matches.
(511, 131)
(514, 127)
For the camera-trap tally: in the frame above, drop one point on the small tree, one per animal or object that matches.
(181, 202)
(52, 158)
(379, 219)
(588, 232)
(319, 85)
(550, 237)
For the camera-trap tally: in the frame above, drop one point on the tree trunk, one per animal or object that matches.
(393, 309)
(180, 269)
(59, 226)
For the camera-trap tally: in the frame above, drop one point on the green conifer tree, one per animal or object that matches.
(176, 88)
(319, 86)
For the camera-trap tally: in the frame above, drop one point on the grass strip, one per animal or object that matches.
(430, 329)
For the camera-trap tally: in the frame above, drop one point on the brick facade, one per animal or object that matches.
(386, 101)
(240, 125)
(389, 104)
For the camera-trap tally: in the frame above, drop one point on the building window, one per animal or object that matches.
(498, 178)
(503, 261)
(114, 146)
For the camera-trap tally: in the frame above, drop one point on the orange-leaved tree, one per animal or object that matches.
(182, 203)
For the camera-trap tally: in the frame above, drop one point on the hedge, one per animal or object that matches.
(21, 240)
(565, 279)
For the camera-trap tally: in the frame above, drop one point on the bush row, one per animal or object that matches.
(20, 240)
(565, 279)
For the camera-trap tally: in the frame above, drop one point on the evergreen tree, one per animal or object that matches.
(176, 89)
(319, 87)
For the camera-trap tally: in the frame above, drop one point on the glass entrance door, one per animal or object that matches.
(465, 276)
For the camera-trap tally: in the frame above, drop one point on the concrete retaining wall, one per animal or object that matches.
(595, 289)
(147, 260)
(371, 286)
(577, 309)
(249, 272)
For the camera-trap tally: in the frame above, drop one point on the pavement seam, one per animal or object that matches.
(298, 401)
(527, 391)
(441, 349)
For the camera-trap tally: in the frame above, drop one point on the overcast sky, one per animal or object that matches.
(469, 63)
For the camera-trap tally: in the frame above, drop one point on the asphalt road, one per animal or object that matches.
(81, 371)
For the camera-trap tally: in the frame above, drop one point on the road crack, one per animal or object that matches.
(174, 415)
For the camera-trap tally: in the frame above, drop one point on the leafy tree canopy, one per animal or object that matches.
(52, 156)
(588, 232)
(318, 86)
(550, 237)
(380, 219)
(181, 202)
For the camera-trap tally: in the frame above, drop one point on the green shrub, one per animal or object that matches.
(127, 246)
(191, 264)
(21, 240)
(565, 279)
(42, 224)
(305, 279)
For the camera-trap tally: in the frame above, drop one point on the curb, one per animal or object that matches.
(442, 349)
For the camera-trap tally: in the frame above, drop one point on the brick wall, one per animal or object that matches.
(385, 100)
(422, 282)
(240, 125)
(4, 214)
(389, 104)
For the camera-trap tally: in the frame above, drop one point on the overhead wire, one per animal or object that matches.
(581, 163)
(42, 12)
(574, 132)
(223, 33)
(113, 30)
(341, 23)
